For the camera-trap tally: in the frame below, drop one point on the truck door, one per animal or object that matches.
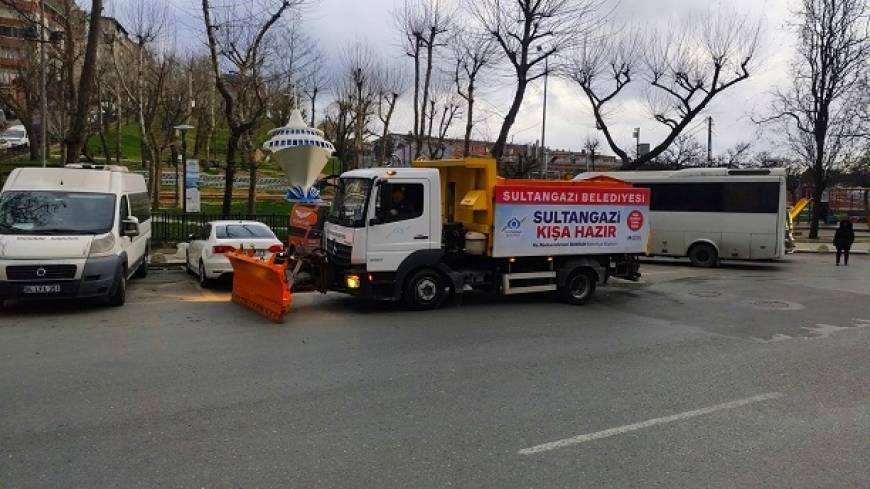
(400, 223)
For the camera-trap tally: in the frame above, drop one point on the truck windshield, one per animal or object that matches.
(349, 207)
(32, 212)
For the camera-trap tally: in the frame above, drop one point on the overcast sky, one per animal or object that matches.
(334, 24)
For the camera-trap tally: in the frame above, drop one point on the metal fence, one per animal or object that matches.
(168, 227)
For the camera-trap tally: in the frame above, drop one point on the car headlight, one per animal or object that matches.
(102, 245)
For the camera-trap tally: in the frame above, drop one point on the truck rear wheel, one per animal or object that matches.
(579, 287)
(425, 290)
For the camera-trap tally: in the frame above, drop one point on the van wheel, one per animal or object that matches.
(204, 281)
(579, 287)
(703, 255)
(119, 296)
(142, 270)
(425, 290)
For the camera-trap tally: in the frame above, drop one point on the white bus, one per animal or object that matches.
(709, 214)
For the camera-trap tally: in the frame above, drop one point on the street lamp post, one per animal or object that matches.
(183, 128)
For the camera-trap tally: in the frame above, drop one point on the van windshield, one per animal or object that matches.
(38, 212)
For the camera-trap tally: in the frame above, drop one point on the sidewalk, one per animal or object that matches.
(815, 247)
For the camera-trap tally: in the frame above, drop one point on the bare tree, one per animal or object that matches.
(736, 156)
(392, 85)
(684, 151)
(424, 25)
(77, 133)
(359, 89)
(314, 82)
(142, 77)
(235, 41)
(823, 112)
(528, 33)
(443, 107)
(591, 148)
(471, 55)
(684, 68)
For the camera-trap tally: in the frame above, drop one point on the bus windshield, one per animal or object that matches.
(349, 207)
(32, 212)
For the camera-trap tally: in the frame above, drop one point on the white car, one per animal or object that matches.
(15, 137)
(206, 256)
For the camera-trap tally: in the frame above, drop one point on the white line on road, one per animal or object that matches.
(574, 440)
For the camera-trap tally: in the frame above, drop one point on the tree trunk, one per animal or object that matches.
(230, 173)
(817, 209)
(426, 83)
(417, 140)
(498, 147)
(867, 208)
(313, 100)
(469, 122)
(76, 136)
(252, 183)
(118, 127)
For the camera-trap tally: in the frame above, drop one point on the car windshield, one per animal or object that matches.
(37, 212)
(349, 206)
(235, 231)
(13, 134)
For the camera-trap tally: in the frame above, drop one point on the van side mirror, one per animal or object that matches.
(130, 227)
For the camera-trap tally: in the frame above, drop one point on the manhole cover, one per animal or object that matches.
(775, 305)
(706, 293)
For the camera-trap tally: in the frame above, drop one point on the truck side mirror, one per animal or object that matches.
(130, 227)
(382, 205)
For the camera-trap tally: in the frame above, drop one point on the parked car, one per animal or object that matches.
(206, 253)
(77, 231)
(14, 137)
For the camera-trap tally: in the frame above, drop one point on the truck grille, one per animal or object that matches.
(338, 253)
(40, 272)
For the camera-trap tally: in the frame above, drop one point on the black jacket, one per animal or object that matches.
(845, 235)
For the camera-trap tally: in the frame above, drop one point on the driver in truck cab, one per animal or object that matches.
(401, 208)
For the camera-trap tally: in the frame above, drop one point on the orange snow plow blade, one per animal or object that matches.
(261, 284)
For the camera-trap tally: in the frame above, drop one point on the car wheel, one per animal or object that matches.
(579, 287)
(142, 271)
(204, 281)
(425, 290)
(703, 255)
(118, 296)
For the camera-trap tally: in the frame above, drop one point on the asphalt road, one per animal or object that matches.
(743, 376)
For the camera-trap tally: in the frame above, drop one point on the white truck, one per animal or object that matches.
(451, 226)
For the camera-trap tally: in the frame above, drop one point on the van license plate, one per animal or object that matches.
(41, 289)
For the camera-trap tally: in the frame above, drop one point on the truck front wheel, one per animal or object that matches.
(425, 290)
(579, 287)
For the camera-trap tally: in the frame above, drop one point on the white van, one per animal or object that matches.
(78, 231)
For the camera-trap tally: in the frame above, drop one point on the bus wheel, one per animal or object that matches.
(425, 290)
(579, 287)
(703, 255)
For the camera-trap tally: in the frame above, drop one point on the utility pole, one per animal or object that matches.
(636, 135)
(709, 140)
(43, 99)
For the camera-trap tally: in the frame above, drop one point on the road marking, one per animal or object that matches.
(620, 430)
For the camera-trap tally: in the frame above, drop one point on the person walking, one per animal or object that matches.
(843, 239)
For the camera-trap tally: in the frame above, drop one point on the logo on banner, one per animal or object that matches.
(635, 220)
(513, 227)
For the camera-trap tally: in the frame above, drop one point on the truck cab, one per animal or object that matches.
(380, 219)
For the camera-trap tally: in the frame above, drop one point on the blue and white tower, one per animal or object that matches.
(302, 153)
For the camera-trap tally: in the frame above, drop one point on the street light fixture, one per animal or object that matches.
(183, 128)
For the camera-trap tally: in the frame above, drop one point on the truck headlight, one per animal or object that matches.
(352, 281)
(102, 245)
